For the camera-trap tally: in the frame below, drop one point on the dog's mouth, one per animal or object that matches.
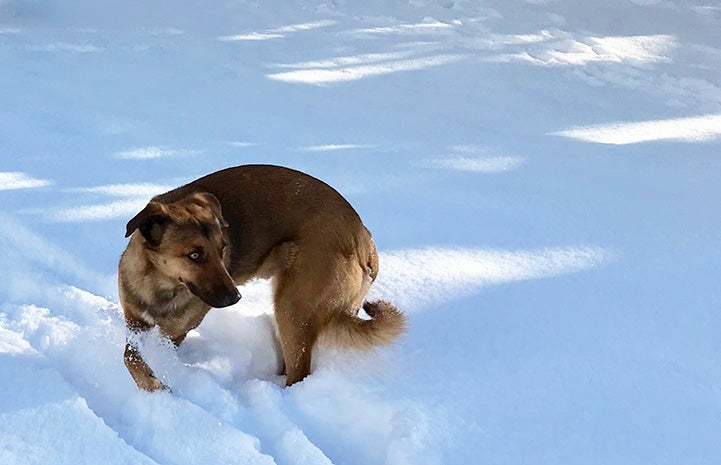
(218, 298)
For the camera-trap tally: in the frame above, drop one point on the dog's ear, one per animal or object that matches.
(151, 222)
(214, 204)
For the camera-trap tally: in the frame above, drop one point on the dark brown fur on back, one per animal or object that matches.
(192, 246)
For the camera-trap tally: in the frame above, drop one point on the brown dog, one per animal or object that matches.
(192, 246)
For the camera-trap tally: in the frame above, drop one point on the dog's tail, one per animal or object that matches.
(385, 325)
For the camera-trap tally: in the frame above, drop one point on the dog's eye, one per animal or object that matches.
(194, 256)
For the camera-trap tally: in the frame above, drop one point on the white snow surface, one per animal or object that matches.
(541, 179)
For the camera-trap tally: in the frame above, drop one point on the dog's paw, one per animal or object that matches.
(152, 384)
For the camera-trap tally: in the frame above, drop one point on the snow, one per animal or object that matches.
(690, 129)
(353, 73)
(16, 180)
(541, 179)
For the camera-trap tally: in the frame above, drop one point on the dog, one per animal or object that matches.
(191, 247)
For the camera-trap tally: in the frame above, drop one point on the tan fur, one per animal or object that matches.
(192, 246)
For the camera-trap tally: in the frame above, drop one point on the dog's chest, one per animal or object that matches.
(176, 312)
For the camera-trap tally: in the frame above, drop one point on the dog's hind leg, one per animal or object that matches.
(297, 301)
(298, 333)
(280, 258)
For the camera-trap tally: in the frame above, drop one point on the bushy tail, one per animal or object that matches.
(386, 324)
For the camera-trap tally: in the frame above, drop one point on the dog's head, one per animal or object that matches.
(187, 241)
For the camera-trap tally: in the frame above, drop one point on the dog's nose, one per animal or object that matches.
(232, 298)
(221, 298)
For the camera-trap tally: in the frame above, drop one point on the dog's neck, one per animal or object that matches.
(152, 291)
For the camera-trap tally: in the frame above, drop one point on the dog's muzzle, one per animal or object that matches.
(219, 298)
(230, 299)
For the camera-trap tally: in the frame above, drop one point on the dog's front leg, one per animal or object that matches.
(140, 371)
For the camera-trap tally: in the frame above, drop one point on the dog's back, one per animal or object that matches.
(266, 205)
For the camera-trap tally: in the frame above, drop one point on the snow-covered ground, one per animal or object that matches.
(542, 178)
